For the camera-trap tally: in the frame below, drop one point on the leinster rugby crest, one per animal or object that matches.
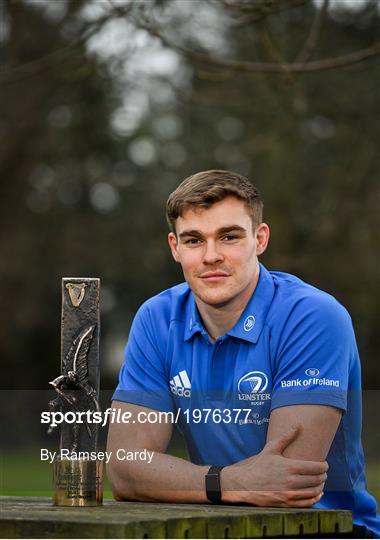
(253, 387)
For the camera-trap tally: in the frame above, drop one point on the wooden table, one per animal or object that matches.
(35, 517)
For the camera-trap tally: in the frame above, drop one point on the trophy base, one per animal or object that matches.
(77, 482)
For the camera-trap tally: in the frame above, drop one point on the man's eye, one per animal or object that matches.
(229, 237)
(192, 241)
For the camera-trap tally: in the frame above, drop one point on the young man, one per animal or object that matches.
(259, 369)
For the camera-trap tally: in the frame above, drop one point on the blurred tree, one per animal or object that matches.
(52, 123)
(107, 105)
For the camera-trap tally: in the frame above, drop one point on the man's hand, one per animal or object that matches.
(270, 479)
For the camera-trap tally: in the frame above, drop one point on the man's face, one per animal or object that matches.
(218, 250)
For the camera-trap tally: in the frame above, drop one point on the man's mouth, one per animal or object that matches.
(214, 276)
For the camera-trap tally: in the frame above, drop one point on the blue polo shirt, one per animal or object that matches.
(293, 345)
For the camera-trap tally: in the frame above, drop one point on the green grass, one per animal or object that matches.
(24, 474)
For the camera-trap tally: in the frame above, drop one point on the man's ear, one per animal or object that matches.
(173, 244)
(262, 238)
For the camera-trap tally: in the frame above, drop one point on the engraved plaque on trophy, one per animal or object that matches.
(77, 479)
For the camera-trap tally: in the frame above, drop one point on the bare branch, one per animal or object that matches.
(268, 67)
(273, 51)
(249, 7)
(252, 18)
(35, 66)
(312, 39)
(234, 66)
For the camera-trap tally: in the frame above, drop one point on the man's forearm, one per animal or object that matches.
(165, 478)
(267, 479)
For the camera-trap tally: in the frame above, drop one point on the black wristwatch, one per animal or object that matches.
(213, 491)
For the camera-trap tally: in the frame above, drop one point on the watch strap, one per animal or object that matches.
(213, 489)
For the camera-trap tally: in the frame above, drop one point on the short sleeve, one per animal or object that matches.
(142, 379)
(315, 349)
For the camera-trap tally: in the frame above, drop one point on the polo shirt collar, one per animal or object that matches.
(251, 321)
(193, 320)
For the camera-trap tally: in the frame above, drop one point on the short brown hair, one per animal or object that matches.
(205, 188)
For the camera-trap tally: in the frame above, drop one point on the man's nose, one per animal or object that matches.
(212, 254)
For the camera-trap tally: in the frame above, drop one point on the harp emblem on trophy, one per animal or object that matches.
(76, 292)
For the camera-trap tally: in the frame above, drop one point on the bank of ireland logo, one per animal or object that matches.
(312, 372)
(249, 323)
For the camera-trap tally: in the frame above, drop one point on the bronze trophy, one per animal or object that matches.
(77, 478)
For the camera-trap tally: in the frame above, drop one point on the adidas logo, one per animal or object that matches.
(180, 385)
